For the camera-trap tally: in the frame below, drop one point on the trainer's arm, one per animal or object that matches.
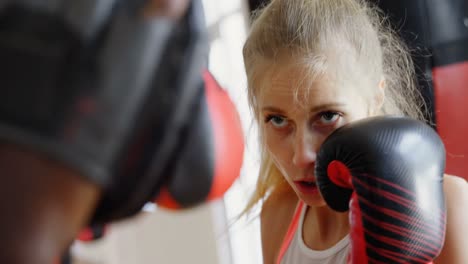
(43, 203)
(168, 8)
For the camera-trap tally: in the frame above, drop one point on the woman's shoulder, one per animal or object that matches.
(452, 181)
(456, 192)
(276, 215)
(456, 189)
(456, 237)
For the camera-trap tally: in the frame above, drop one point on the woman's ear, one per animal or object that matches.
(379, 98)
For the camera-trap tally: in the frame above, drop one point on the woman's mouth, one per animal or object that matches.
(307, 187)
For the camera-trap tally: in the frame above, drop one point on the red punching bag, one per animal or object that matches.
(450, 83)
(437, 31)
(450, 77)
(223, 136)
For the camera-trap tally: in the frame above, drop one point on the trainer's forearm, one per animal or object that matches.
(43, 206)
(173, 9)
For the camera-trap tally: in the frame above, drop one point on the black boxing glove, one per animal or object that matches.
(388, 171)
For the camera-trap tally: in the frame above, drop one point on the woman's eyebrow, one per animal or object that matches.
(317, 108)
(273, 109)
(326, 106)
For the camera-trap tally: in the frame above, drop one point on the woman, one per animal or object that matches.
(313, 66)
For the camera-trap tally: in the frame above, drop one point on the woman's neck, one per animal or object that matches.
(323, 227)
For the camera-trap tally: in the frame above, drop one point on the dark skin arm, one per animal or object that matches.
(167, 8)
(44, 203)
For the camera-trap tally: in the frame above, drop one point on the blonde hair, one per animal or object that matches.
(307, 29)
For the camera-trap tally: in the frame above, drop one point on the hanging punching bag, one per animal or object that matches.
(437, 33)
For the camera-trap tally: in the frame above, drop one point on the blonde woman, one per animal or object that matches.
(312, 67)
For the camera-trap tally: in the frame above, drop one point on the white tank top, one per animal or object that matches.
(299, 253)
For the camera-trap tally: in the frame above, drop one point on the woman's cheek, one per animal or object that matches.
(274, 147)
(278, 148)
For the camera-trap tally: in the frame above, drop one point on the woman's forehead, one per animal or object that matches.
(292, 85)
(288, 80)
(301, 70)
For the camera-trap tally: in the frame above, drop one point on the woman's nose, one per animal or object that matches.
(304, 150)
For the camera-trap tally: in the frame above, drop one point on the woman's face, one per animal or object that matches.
(293, 131)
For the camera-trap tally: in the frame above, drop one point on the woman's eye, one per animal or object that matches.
(329, 118)
(277, 121)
